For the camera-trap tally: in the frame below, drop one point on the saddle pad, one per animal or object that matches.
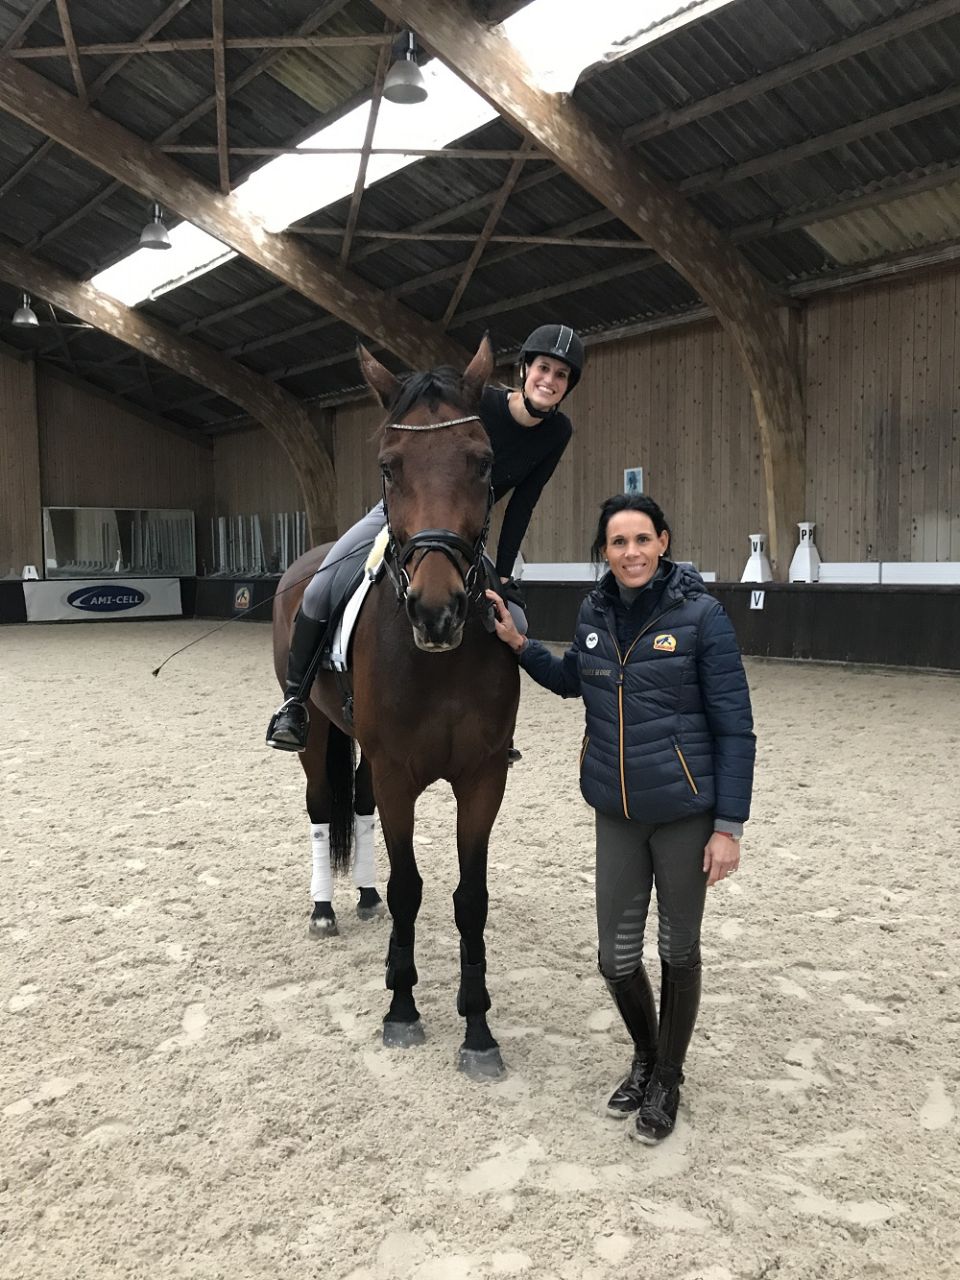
(377, 552)
(340, 644)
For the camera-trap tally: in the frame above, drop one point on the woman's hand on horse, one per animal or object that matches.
(504, 624)
(721, 857)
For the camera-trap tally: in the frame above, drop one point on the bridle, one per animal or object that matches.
(457, 550)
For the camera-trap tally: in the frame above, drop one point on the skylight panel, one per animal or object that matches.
(292, 186)
(558, 39)
(141, 274)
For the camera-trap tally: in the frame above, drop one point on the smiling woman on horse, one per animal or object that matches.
(528, 435)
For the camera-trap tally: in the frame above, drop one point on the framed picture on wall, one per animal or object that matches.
(633, 480)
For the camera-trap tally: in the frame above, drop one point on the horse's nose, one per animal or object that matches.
(439, 626)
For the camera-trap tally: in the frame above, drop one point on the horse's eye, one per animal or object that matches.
(385, 471)
(484, 468)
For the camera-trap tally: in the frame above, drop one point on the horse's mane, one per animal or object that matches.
(437, 385)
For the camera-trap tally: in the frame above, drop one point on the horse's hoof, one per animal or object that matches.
(481, 1064)
(323, 927)
(376, 912)
(403, 1035)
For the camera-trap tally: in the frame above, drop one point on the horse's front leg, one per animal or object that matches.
(478, 802)
(402, 1027)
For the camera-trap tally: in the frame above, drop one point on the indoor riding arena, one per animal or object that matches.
(749, 211)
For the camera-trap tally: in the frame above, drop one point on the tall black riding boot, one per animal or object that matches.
(633, 997)
(290, 724)
(679, 1005)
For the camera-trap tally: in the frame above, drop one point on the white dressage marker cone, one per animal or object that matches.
(758, 566)
(805, 565)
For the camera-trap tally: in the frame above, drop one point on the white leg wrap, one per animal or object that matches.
(321, 882)
(364, 859)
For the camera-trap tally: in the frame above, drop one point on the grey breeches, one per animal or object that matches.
(631, 858)
(316, 602)
(316, 597)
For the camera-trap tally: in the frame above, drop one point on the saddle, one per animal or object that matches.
(353, 578)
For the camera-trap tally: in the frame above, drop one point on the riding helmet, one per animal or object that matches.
(559, 341)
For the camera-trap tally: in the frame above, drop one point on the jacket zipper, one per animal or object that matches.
(583, 749)
(686, 770)
(623, 664)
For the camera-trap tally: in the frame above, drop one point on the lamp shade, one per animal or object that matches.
(404, 83)
(154, 235)
(25, 316)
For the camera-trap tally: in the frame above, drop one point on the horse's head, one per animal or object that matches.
(435, 463)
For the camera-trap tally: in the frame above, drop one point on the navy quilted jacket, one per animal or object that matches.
(669, 728)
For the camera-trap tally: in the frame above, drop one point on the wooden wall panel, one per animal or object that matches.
(355, 453)
(20, 516)
(883, 408)
(948, 409)
(660, 402)
(881, 381)
(93, 453)
(253, 476)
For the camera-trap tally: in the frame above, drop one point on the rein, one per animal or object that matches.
(457, 550)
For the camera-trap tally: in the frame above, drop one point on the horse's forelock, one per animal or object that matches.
(437, 386)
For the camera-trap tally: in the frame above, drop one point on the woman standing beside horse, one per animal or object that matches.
(667, 763)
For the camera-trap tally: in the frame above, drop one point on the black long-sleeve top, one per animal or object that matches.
(524, 459)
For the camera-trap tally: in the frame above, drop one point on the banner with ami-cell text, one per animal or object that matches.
(93, 601)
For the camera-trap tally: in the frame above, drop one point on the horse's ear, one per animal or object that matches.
(480, 369)
(379, 379)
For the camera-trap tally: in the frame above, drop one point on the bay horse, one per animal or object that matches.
(435, 694)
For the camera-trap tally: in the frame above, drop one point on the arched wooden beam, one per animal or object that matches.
(595, 158)
(143, 167)
(283, 416)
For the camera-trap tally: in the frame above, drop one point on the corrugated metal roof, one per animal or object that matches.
(241, 310)
(324, 80)
(928, 218)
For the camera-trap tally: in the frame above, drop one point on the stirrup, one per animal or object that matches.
(289, 726)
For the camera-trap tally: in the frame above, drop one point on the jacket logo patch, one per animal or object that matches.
(592, 640)
(666, 643)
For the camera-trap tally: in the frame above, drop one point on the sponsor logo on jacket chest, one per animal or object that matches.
(665, 643)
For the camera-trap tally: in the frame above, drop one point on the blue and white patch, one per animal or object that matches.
(107, 598)
(592, 640)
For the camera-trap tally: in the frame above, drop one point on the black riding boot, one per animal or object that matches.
(679, 1005)
(290, 725)
(633, 997)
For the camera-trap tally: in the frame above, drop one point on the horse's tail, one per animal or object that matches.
(340, 773)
